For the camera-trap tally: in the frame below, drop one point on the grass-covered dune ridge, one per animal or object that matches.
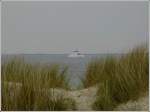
(111, 83)
(23, 86)
(16, 70)
(119, 79)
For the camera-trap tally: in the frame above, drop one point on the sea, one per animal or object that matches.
(76, 66)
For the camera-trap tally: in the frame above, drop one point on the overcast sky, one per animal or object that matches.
(60, 27)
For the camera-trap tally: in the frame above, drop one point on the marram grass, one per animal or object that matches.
(119, 79)
(22, 86)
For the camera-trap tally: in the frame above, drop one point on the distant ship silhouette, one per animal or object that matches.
(76, 54)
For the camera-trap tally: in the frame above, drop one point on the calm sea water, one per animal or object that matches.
(77, 66)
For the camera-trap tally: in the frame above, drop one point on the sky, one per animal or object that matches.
(60, 27)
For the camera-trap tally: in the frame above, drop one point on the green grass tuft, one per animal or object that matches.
(119, 79)
(23, 83)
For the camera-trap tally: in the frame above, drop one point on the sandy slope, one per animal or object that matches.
(140, 105)
(84, 98)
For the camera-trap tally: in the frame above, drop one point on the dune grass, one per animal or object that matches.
(119, 79)
(22, 86)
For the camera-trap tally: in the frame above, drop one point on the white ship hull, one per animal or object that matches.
(76, 56)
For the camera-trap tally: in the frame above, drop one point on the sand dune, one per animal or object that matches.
(85, 98)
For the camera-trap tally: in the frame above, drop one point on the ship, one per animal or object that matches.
(76, 54)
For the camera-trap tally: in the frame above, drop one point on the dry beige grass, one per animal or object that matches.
(45, 88)
(142, 104)
(120, 79)
(86, 97)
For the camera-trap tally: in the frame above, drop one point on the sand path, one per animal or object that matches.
(85, 98)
